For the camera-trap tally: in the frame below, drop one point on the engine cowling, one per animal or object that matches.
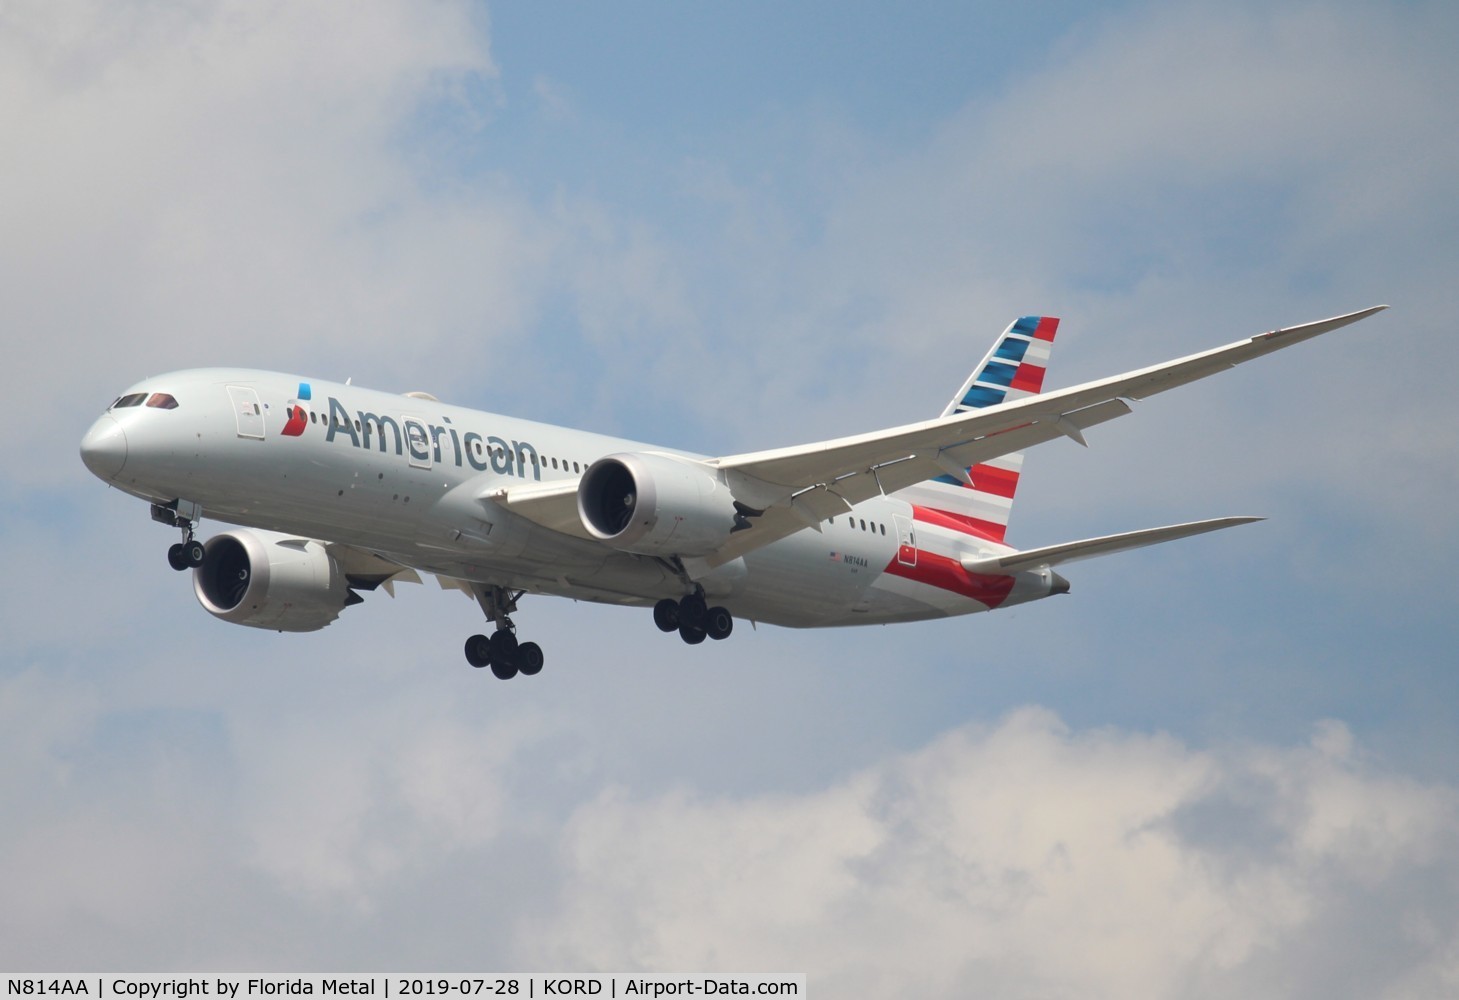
(655, 505)
(266, 580)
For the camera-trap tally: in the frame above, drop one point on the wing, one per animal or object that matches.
(365, 570)
(553, 504)
(812, 482)
(803, 485)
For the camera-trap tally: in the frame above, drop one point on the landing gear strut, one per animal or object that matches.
(188, 553)
(501, 651)
(693, 619)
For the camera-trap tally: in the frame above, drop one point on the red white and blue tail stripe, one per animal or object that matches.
(1013, 369)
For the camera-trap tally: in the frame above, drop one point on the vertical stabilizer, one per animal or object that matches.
(1013, 369)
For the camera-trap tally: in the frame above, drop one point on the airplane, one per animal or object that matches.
(339, 489)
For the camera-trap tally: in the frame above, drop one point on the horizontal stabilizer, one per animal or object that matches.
(1051, 555)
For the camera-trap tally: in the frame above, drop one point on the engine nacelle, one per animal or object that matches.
(266, 580)
(655, 505)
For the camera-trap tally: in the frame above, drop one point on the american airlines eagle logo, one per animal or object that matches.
(298, 420)
(297, 416)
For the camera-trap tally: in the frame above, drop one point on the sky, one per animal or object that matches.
(1225, 766)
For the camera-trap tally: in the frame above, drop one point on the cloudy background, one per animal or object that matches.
(1224, 767)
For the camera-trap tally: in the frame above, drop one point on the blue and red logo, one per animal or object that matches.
(298, 420)
(297, 417)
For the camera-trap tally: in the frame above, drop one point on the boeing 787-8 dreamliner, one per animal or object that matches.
(340, 489)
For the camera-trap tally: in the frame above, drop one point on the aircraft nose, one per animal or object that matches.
(104, 448)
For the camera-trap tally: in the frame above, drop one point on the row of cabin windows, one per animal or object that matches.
(164, 401)
(156, 400)
(874, 527)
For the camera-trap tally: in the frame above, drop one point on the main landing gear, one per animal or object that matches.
(501, 651)
(693, 619)
(188, 553)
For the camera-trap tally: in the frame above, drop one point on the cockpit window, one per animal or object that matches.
(162, 401)
(131, 399)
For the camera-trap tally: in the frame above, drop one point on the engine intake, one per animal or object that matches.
(655, 505)
(266, 580)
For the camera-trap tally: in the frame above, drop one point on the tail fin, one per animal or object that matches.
(1013, 369)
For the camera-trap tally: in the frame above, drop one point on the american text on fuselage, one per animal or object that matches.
(421, 442)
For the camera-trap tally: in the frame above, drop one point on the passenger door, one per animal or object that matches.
(247, 410)
(906, 541)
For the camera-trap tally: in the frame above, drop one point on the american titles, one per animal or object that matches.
(424, 443)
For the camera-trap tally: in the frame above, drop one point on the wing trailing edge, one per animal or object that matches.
(1052, 555)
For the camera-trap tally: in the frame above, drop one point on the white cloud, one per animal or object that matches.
(236, 182)
(1025, 858)
(1029, 860)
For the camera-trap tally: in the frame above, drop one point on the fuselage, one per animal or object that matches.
(413, 479)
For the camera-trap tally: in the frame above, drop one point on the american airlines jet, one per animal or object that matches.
(340, 489)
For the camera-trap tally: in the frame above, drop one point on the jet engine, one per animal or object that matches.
(656, 505)
(266, 580)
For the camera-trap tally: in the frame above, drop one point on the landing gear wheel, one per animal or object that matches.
(503, 646)
(529, 659)
(693, 636)
(193, 552)
(666, 615)
(176, 558)
(692, 612)
(719, 623)
(503, 671)
(478, 651)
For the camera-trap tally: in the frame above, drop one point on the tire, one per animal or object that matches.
(503, 646)
(719, 623)
(503, 671)
(176, 558)
(693, 636)
(529, 659)
(478, 651)
(692, 612)
(666, 615)
(193, 552)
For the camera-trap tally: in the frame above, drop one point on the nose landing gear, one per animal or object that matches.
(188, 553)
